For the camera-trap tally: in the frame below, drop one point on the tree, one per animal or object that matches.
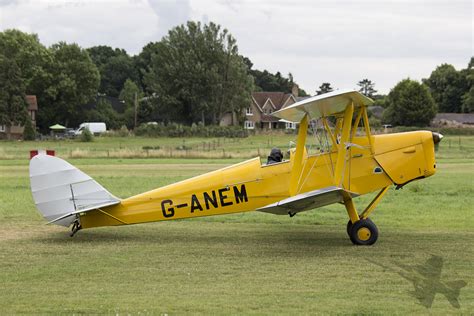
(142, 63)
(380, 100)
(76, 80)
(115, 67)
(34, 62)
(266, 81)
(130, 89)
(198, 75)
(447, 86)
(410, 104)
(30, 56)
(101, 54)
(128, 94)
(29, 132)
(115, 73)
(104, 112)
(468, 96)
(13, 106)
(367, 88)
(468, 101)
(325, 87)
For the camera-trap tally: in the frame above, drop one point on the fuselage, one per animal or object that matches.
(247, 186)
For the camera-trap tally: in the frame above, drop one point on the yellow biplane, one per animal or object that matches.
(352, 162)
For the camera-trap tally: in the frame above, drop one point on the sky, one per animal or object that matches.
(336, 41)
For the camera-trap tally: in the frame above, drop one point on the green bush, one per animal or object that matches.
(29, 132)
(86, 136)
(123, 131)
(178, 130)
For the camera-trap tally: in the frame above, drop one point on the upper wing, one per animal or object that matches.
(308, 200)
(323, 105)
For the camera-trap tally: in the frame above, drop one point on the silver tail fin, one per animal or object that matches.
(61, 191)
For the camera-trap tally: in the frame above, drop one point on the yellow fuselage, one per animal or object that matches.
(248, 186)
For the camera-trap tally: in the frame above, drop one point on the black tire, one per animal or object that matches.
(364, 232)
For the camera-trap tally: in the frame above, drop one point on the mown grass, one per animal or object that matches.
(146, 147)
(249, 263)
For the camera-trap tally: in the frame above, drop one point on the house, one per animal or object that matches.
(258, 114)
(262, 104)
(16, 131)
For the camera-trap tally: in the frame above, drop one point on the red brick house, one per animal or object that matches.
(262, 104)
(258, 114)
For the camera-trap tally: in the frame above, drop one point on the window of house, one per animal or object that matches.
(290, 125)
(249, 125)
(32, 115)
(2, 128)
(267, 111)
(248, 111)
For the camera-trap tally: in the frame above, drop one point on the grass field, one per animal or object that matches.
(160, 147)
(249, 263)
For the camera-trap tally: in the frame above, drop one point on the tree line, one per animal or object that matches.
(194, 74)
(413, 103)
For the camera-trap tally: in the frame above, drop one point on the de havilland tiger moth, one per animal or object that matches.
(353, 162)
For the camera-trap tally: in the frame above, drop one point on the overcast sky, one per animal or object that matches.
(336, 41)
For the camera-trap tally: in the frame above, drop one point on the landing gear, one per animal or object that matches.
(363, 232)
(76, 226)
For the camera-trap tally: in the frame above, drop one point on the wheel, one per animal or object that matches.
(349, 226)
(364, 232)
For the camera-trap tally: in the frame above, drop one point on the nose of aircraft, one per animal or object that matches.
(437, 137)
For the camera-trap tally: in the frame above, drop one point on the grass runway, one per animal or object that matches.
(248, 263)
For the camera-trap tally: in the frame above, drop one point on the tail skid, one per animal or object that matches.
(61, 191)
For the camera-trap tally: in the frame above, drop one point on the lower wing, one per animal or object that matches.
(307, 201)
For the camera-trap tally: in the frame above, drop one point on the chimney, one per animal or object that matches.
(294, 90)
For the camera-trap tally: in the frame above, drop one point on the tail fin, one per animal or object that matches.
(61, 191)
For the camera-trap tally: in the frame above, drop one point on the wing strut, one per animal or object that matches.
(341, 152)
(297, 169)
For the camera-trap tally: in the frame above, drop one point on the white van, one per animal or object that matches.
(94, 128)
